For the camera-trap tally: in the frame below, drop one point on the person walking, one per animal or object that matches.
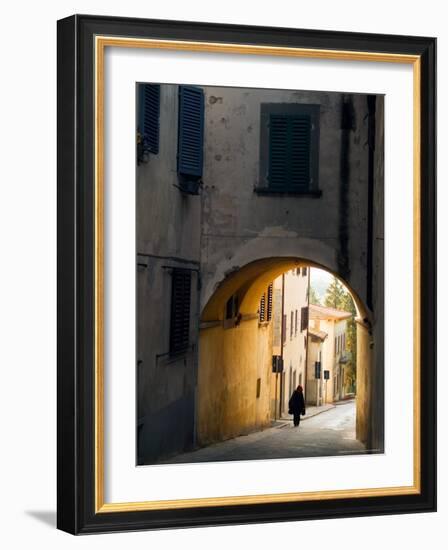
(297, 405)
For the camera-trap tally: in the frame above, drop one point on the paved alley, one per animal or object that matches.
(329, 433)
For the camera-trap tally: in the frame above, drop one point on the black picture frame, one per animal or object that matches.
(76, 510)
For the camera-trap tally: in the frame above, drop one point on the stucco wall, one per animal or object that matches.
(167, 236)
(231, 360)
(235, 216)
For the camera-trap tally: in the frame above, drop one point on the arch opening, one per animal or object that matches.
(265, 330)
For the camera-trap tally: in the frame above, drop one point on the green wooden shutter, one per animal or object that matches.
(180, 310)
(149, 115)
(289, 152)
(191, 131)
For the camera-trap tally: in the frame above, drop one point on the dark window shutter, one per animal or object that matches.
(148, 124)
(262, 315)
(289, 151)
(180, 310)
(232, 307)
(191, 131)
(304, 319)
(269, 308)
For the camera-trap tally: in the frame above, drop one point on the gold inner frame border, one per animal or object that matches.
(100, 44)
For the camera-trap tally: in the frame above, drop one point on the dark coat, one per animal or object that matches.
(296, 403)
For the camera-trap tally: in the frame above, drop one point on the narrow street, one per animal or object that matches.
(327, 434)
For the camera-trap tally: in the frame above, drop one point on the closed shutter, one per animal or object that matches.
(149, 116)
(289, 152)
(180, 310)
(262, 316)
(304, 319)
(191, 131)
(269, 308)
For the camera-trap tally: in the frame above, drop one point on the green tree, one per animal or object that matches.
(349, 305)
(313, 296)
(338, 297)
(334, 296)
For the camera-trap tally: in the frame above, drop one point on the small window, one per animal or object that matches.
(304, 318)
(148, 120)
(258, 387)
(289, 148)
(291, 328)
(296, 323)
(284, 322)
(190, 132)
(232, 307)
(180, 310)
(304, 271)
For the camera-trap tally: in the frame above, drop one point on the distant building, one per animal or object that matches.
(290, 335)
(328, 333)
(314, 383)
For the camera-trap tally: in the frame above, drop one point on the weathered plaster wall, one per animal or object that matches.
(168, 235)
(341, 230)
(236, 218)
(365, 422)
(231, 360)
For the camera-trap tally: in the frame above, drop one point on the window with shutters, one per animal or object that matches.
(232, 307)
(265, 309)
(262, 311)
(148, 121)
(190, 133)
(289, 149)
(180, 310)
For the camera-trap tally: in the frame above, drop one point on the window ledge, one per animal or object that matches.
(316, 193)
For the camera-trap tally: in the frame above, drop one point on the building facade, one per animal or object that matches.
(290, 334)
(328, 328)
(234, 188)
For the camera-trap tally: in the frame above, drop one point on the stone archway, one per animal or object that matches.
(229, 360)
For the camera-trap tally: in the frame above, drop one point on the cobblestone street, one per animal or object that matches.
(329, 433)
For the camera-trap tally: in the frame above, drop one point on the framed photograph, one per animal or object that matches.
(246, 274)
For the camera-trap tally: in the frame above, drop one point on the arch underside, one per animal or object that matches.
(250, 281)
